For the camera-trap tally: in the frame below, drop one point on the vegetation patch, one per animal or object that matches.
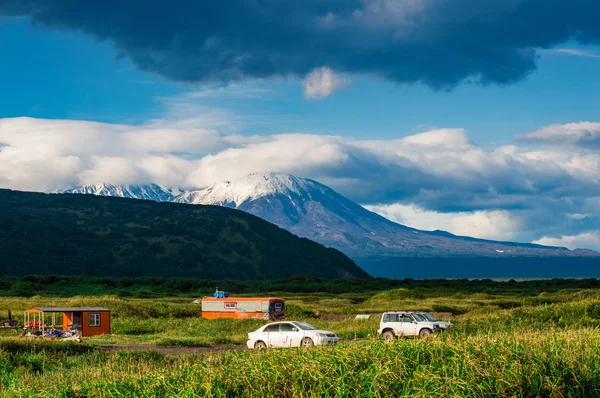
(506, 342)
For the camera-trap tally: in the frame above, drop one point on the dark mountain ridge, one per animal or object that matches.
(95, 235)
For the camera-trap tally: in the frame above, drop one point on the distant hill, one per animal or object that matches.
(94, 235)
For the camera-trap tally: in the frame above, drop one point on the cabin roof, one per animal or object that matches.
(67, 309)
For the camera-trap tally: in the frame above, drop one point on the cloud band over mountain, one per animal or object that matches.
(436, 42)
(544, 193)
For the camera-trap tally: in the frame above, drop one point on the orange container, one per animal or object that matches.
(271, 308)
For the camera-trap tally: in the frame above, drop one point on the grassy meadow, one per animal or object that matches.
(511, 339)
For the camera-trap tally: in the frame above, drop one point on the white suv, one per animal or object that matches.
(401, 323)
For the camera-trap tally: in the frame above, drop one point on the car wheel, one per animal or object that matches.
(424, 333)
(307, 342)
(389, 336)
(260, 346)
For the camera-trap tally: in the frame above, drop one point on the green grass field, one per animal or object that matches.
(512, 341)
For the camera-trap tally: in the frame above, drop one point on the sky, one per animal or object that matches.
(480, 118)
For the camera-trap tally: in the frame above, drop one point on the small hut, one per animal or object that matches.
(88, 321)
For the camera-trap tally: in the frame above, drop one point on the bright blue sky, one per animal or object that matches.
(67, 75)
(62, 75)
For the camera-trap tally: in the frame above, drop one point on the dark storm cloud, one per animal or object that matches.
(437, 42)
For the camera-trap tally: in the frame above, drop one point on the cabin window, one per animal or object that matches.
(278, 306)
(94, 320)
(230, 306)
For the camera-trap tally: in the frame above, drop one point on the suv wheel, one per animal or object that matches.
(389, 336)
(424, 333)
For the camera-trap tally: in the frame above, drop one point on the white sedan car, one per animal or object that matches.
(289, 334)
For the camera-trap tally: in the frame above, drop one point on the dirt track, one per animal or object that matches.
(173, 349)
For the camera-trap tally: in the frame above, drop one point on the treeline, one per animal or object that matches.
(91, 235)
(148, 287)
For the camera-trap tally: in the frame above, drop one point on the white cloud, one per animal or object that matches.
(218, 107)
(571, 51)
(44, 155)
(582, 134)
(588, 240)
(496, 225)
(449, 138)
(578, 216)
(322, 82)
(439, 169)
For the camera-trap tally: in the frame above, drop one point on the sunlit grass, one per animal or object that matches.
(532, 364)
(545, 345)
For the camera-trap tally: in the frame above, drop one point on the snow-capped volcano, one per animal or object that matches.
(315, 211)
(302, 206)
(153, 192)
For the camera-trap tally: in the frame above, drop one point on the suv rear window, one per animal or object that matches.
(390, 317)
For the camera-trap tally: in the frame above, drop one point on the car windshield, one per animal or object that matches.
(305, 326)
(418, 317)
(429, 317)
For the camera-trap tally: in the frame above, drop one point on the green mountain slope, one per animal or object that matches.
(84, 234)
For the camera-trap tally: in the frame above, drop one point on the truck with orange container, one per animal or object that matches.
(221, 305)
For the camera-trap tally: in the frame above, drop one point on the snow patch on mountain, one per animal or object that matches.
(251, 187)
(153, 192)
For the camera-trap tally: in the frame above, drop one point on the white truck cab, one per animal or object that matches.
(403, 323)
